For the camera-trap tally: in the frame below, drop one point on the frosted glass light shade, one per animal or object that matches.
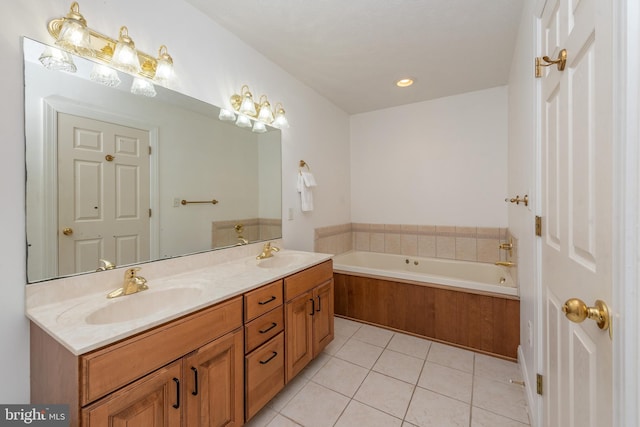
(280, 121)
(125, 56)
(104, 75)
(164, 67)
(243, 121)
(265, 114)
(258, 127)
(226, 115)
(248, 107)
(143, 87)
(56, 59)
(74, 37)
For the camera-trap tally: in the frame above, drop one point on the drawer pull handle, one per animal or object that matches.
(313, 306)
(264, 362)
(195, 377)
(264, 331)
(177, 404)
(267, 301)
(319, 306)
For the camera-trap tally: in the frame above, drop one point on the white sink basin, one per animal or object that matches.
(143, 304)
(281, 260)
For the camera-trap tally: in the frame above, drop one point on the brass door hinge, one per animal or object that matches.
(149, 150)
(539, 384)
(538, 226)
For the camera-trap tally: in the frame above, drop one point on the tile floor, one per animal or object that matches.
(372, 377)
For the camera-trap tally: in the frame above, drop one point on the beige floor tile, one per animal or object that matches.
(448, 381)
(359, 415)
(287, 393)
(399, 366)
(336, 344)
(429, 409)
(385, 394)
(280, 421)
(409, 345)
(482, 418)
(341, 376)
(315, 365)
(360, 353)
(315, 406)
(496, 369)
(452, 357)
(373, 335)
(503, 399)
(345, 327)
(262, 418)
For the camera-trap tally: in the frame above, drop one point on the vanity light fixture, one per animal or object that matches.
(243, 121)
(258, 127)
(73, 35)
(259, 112)
(142, 86)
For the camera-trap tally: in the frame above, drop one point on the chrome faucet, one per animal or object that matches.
(267, 251)
(132, 284)
(505, 263)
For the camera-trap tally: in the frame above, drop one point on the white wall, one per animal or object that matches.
(212, 64)
(439, 162)
(521, 172)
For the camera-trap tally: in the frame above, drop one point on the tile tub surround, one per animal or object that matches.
(223, 233)
(373, 377)
(434, 241)
(60, 307)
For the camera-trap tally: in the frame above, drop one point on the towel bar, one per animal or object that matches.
(214, 202)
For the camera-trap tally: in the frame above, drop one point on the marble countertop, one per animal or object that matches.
(86, 320)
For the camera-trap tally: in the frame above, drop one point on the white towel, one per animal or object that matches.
(305, 182)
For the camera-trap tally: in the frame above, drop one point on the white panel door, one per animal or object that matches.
(103, 194)
(576, 209)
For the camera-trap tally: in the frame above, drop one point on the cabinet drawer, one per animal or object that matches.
(261, 300)
(112, 367)
(260, 330)
(305, 280)
(264, 369)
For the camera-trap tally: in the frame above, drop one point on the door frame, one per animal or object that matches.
(626, 213)
(51, 107)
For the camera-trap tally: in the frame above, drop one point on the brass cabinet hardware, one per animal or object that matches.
(109, 158)
(507, 247)
(577, 311)
(517, 200)
(67, 231)
(213, 202)
(106, 265)
(561, 62)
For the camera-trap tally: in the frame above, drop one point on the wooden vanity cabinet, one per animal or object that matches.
(308, 315)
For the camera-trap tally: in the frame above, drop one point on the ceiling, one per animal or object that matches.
(353, 51)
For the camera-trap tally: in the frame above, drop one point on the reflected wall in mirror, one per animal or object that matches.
(107, 172)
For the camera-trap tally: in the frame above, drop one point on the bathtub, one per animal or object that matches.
(471, 276)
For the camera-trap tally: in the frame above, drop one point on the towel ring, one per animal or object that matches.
(303, 164)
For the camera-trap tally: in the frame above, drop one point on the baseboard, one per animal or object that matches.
(530, 392)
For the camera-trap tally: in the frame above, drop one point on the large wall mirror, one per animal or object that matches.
(108, 171)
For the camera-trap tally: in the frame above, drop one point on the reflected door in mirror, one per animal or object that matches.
(103, 194)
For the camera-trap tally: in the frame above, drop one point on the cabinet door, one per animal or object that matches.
(323, 316)
(264, 370)
(299, 333)
(214, 383)
(153, 401)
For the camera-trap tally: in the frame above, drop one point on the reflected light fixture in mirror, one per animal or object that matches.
(143, 87)
(56, 59)
(259, 112)
(104, 75)
(226, 115)
(259, 127)
(243, 121)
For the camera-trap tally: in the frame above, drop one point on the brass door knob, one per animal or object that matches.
(67, 231)
(577, 311)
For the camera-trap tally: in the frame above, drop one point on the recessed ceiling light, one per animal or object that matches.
(404, 82)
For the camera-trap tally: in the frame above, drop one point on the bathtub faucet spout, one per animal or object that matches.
(505, 263)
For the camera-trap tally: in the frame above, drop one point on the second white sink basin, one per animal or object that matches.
(142, 304)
